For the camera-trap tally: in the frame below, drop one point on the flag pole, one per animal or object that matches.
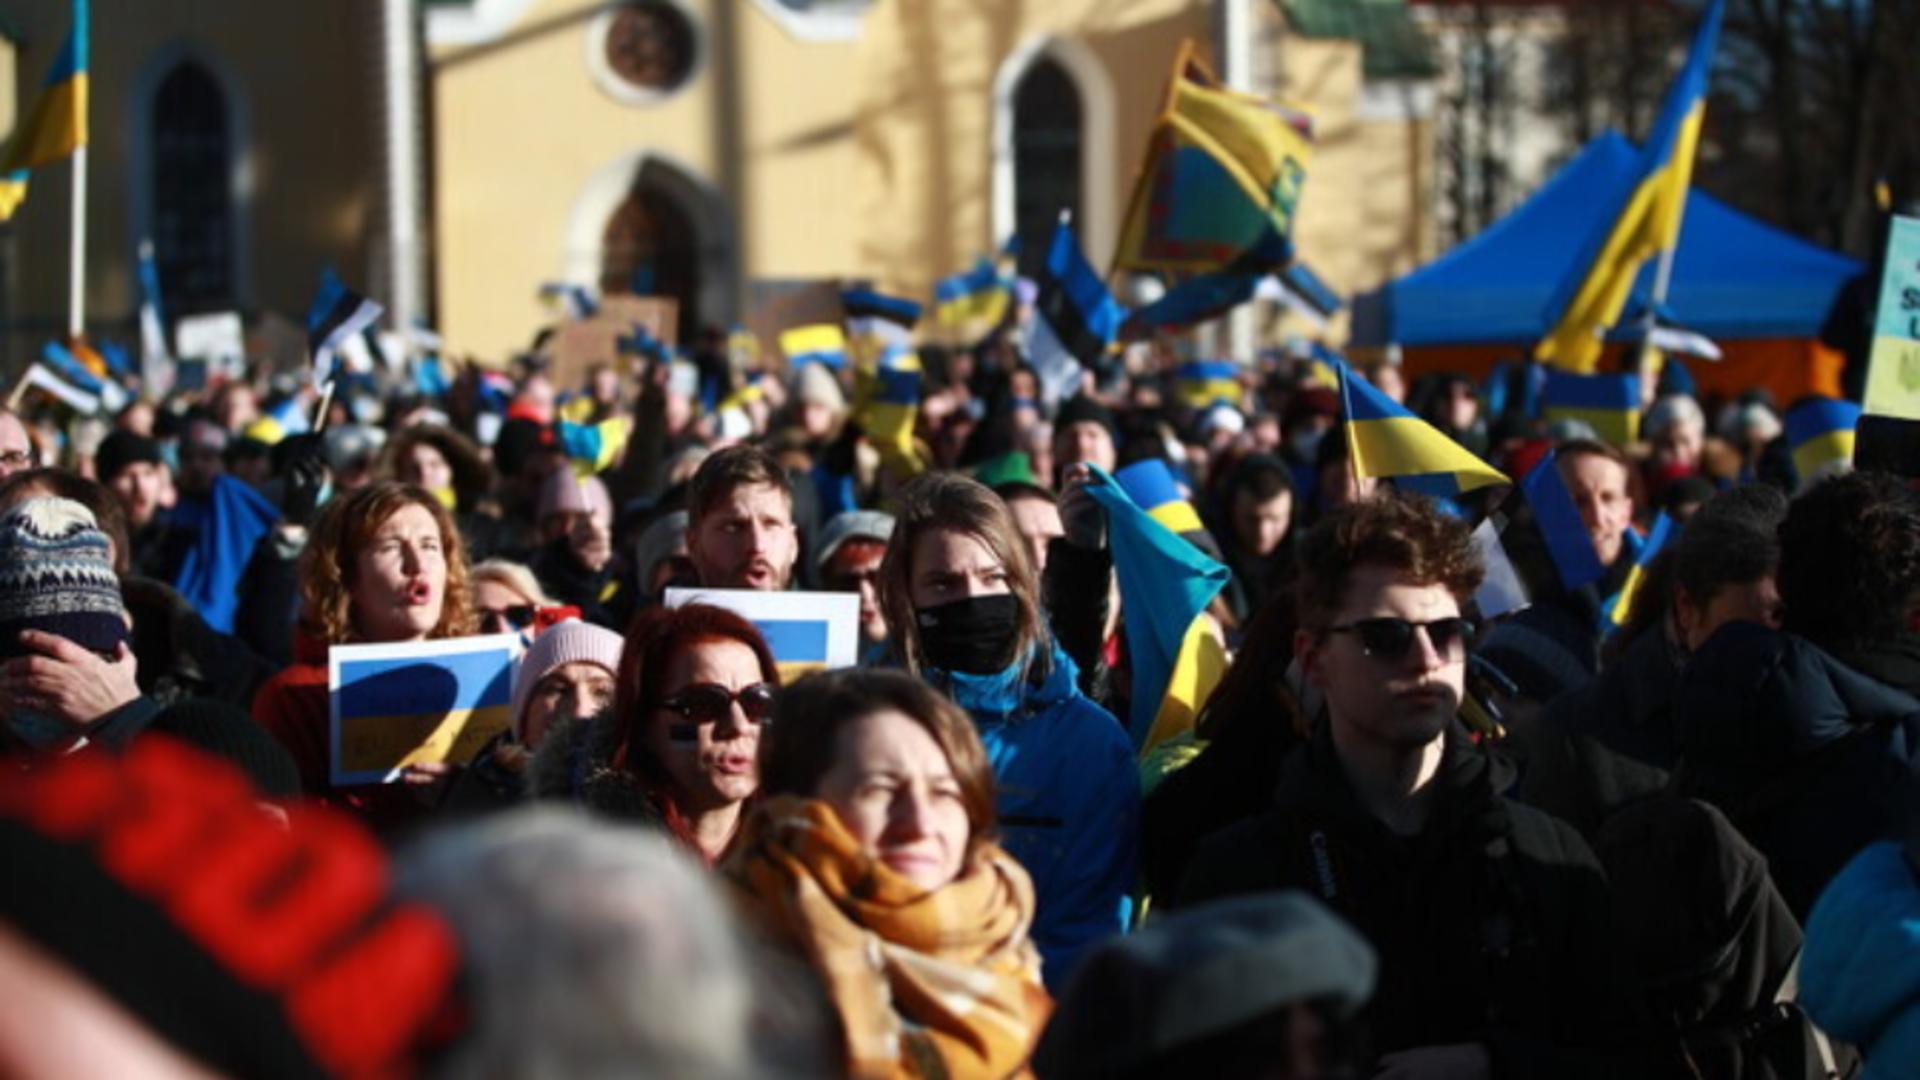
(77, 257)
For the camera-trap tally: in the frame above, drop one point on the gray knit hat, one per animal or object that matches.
(850, 525)
(56, 576)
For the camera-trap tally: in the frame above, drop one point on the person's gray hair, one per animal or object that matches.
(1671, 410)
(591, 950)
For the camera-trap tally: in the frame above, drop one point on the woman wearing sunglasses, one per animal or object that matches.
(960, 594)
(506, 596)
(872, 858)
(383, 564)
(680, 747)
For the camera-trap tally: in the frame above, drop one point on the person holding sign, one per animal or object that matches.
(384, 564)
(679, 750)
(878, 824)
(960, 593)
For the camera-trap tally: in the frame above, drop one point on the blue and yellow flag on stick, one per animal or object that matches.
(1166, 584)
(1222, 177)
(1619, 606)
(980, 295)
(1200, 383)
(1820, 433)
(888, 407)
(1390, 443)
(596, 448)
(1610, 404)
(816, 343)
(57, 124)
(1557, 519)
(1644, 224)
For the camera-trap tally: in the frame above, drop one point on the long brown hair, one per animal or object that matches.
(347, 525)
(656, 637)
(813, 714)
(955, 503)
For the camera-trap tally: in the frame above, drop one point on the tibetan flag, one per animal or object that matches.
(1820, 432)
(979, 295)
(1643, 224)
(227, 524)
(1222, 177)
(417, 702)
(1389, 442)
(597, 448)
(1610, 404)
(338, 313)
(1200, 383)
(1166, 584)
(56, 126)
(1075, 319)
(819, 343)
(1558, 521)
(1619, 607)
(575, 300)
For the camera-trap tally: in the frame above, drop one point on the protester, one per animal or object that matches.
(660, 559)
(852, 546)
(17, 451)
(575, 563)
(1085, 430)
(448, 465)
(1036, 514)
(962, 599)
(740, 526)
(1599, 478)
(1492, 920)
(872, 856)
(385, 564)
(1258, 534)
(506, 597)
(678, 749)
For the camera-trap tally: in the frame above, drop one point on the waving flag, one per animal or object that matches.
(338, 313)
(1298, 289)
(888, 408)
(1557, 519)
(575, 300)
(1195, 300)
(1820, 432)
(1619, 607)
(1166, 584)
(1610, 404)
(228, 524)
(1222, 177)
(979, 295)
(57, 124)
(820, 343)
(597, 448)
(1647, 221)
(56, 359)
(1389, 442)
(156, 364)
(1075, 318)
(1200, 383)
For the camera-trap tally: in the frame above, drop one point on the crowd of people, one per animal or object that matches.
(1662, 824)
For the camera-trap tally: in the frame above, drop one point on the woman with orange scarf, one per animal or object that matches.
(871, 856)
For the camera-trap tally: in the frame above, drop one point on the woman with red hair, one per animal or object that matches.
(680, 747)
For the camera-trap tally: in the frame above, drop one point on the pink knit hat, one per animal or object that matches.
(564, 643)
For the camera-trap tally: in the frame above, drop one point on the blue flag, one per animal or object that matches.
(230, 522)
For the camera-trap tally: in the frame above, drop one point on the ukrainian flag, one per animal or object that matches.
(1820, 432)
(1610, 404)
(1619, 607)
(1153, 488)
(1200, 383)
(819, 343)
(977, 295)
(397, 710)
(1388, 442)
(1557, 520)
(1223, 176)
(1165, 586)
(887, 407)
(1647, 221)
(57, 125)
(594, 449)
(799, 646)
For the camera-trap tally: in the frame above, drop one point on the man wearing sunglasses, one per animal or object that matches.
(1492, 919)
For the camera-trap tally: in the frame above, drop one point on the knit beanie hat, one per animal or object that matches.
(121, 449)
(254, 947)
(56, 576)
(1083, 408)
(569, 642)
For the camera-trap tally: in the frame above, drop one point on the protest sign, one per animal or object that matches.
(1889, 432)
(807, 631)
(577, 346)
(219, 338)
(415, 702)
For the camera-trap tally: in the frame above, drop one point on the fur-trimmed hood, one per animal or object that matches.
(573, 763)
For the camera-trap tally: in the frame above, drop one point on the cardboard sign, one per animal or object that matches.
(813, 304)
(807, 631)
(408, 703)
(576, 347)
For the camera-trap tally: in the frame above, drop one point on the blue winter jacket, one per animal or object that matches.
(1860, 973)
(1069, 802)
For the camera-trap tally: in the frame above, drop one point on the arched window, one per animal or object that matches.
(1046, 157)
(192, 191)
(650, 246)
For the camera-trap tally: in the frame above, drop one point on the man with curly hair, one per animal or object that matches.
(1492, 920)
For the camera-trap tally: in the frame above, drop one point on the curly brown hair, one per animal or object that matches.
(346, 525)
(1403, 532)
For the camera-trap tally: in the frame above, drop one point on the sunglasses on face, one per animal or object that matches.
(519, 616)
(708, 703)
(1392, 639)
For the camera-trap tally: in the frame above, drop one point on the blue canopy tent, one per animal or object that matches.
(1760, 293)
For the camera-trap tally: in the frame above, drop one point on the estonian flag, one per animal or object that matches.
(154, 357)
(57, 124)
(338, 313)
(59, 361)
(1195, 300)
(1075, 318)
(1166, 584)
(1820, 433)
(1645, 223)
(1389, 443)
(1610, 404)
(1298, 289)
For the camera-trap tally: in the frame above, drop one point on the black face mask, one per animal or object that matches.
(974, 636)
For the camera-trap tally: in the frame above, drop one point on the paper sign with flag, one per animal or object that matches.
(56, 125)
(1074, 321)
(416, 703)
(1390, 443)
(1888, 432)
(1610, 404)
(337, 315)
(806, 631)
(1645, 223)
(1820, 435)
(1619, 607)
(1166, 584)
